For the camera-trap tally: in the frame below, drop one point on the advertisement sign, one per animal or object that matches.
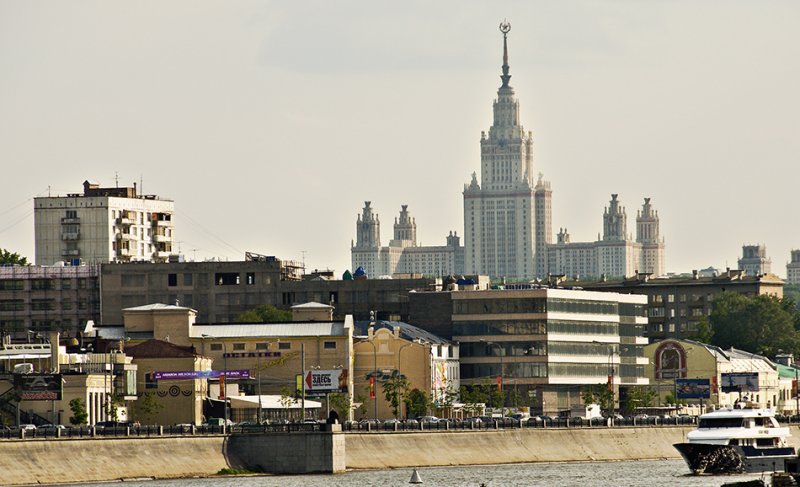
(334, 380)
(200, 374)
(693, 388)
(739, 382)
(38, 387)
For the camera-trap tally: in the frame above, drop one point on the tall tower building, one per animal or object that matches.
(405, 230)
(499, 212)
(544, 224)
(103, 225)
(615, 221)
(754, 260)
(368, 229)
(793, 268)
(648, 235)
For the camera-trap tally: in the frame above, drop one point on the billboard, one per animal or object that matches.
(739, 382)
(334, 380)
(38, 387)
(200, 374)
(693, 388)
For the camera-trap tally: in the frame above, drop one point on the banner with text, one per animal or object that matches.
(334, 380)
(200, 374)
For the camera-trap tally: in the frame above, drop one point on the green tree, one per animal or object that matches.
(704, 333)
(6, 257)
(341, 403)
(265, 313)
(417, 403)
(147, 407)
(761, 324)
(394, 388)
(639, 397)
(287, 397)
(600, 394)
(79, 414)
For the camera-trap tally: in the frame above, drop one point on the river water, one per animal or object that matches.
(585, 474)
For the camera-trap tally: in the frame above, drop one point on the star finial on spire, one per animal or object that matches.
(505, 28)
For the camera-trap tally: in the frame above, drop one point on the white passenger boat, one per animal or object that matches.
(744, 438)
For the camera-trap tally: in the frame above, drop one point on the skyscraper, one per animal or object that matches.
(501, 217)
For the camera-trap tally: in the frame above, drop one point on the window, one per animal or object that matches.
(284, 346)
(12, 285)
(187, 279)
(226, 278)
(251, 278)
(262, 346)
(330, 345)
(66, 284)
(172, 280)
(216, 347)
(238, 346)
(150, 382)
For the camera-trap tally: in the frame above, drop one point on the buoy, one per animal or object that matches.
(415, 478)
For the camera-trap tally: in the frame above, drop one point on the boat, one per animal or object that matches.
(738, 439)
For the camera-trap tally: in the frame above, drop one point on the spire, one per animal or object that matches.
(505, 27)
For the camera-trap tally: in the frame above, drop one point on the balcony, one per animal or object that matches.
(70, 235)
(162, 223)
(161, 238)
(124, 220)
(67, 220)
(70, 252)
(125, 237)
(124, 252)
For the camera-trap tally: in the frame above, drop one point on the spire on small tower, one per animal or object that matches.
(505, 28)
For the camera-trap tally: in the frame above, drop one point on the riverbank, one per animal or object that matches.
(97, 459)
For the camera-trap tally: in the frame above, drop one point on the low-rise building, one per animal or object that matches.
(384, 350)
(672, 360)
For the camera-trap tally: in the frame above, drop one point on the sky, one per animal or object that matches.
(270, 123)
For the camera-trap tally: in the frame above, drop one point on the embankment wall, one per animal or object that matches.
(86, 460)
(39, 461)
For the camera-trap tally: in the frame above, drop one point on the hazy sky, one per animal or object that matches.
(270, 123)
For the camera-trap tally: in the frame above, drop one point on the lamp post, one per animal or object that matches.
(224, 378)
(611, 353)
(400, 375)
(374, 374)
(500, 352)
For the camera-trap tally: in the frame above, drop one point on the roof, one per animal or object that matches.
(279, 330)
(312, 305)
(407, 332)
(158, 306)
(269, 402)
(160, 349)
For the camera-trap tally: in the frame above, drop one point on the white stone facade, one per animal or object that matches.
(754, 260)
(616, 254)
(103, 225)
(504, 213)
(402, 255)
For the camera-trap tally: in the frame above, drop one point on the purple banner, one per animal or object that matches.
(201, 374)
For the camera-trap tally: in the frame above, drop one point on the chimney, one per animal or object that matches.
(695, 275)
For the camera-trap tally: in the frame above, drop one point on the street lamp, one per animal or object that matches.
(501, 352)
(399, 375)
(224, 378)
(611, 353)
(374, 374)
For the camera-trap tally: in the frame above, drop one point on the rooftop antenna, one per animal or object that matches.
(141, 184)
(304, 260)
(116, 179)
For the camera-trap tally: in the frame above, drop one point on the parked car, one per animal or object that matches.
(428, 420)
(50, 428)
(110, 425)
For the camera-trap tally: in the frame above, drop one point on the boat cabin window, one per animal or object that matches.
(721, 423)
(766, 442)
